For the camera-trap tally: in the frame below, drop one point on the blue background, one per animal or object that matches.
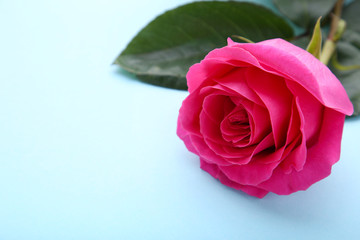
(88, 152)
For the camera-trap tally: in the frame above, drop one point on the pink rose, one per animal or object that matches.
(264, 117)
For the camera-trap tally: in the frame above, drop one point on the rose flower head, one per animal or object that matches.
(264, 117)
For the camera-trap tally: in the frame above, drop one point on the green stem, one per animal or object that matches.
(243, 39)
(336, 30)
(328, 51)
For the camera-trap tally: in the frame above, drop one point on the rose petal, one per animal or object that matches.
(320, 158)
(236, 81)
(199, 73)
(259, 168)
(258, 119)
(189, 113)
(214, 171)
(235, 127)
(234, 154)
(305, 69)
(217, 106)
(210, 68)
(203, 150)
(277, 98)
(186, 137)
(296, 123)
(294, 156)
(241, 156)
(252, 173)
(311, 111)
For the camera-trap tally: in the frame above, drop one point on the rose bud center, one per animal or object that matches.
(235, 127)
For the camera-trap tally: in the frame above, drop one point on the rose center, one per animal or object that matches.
(239, 118)
(235, 127)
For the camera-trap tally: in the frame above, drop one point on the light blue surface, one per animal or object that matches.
(86, 152)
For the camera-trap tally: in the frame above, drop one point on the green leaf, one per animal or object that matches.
(302, 41)
(305, 12)
(314, 46)
(163, 51)
(348, 54)
(351, 16)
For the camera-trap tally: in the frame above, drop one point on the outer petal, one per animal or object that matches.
(214, 171)
(236, 81)
(189, 113)
(309, 72)
(217, 63)
(203, 150)
(207, 69)
(186, 137)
